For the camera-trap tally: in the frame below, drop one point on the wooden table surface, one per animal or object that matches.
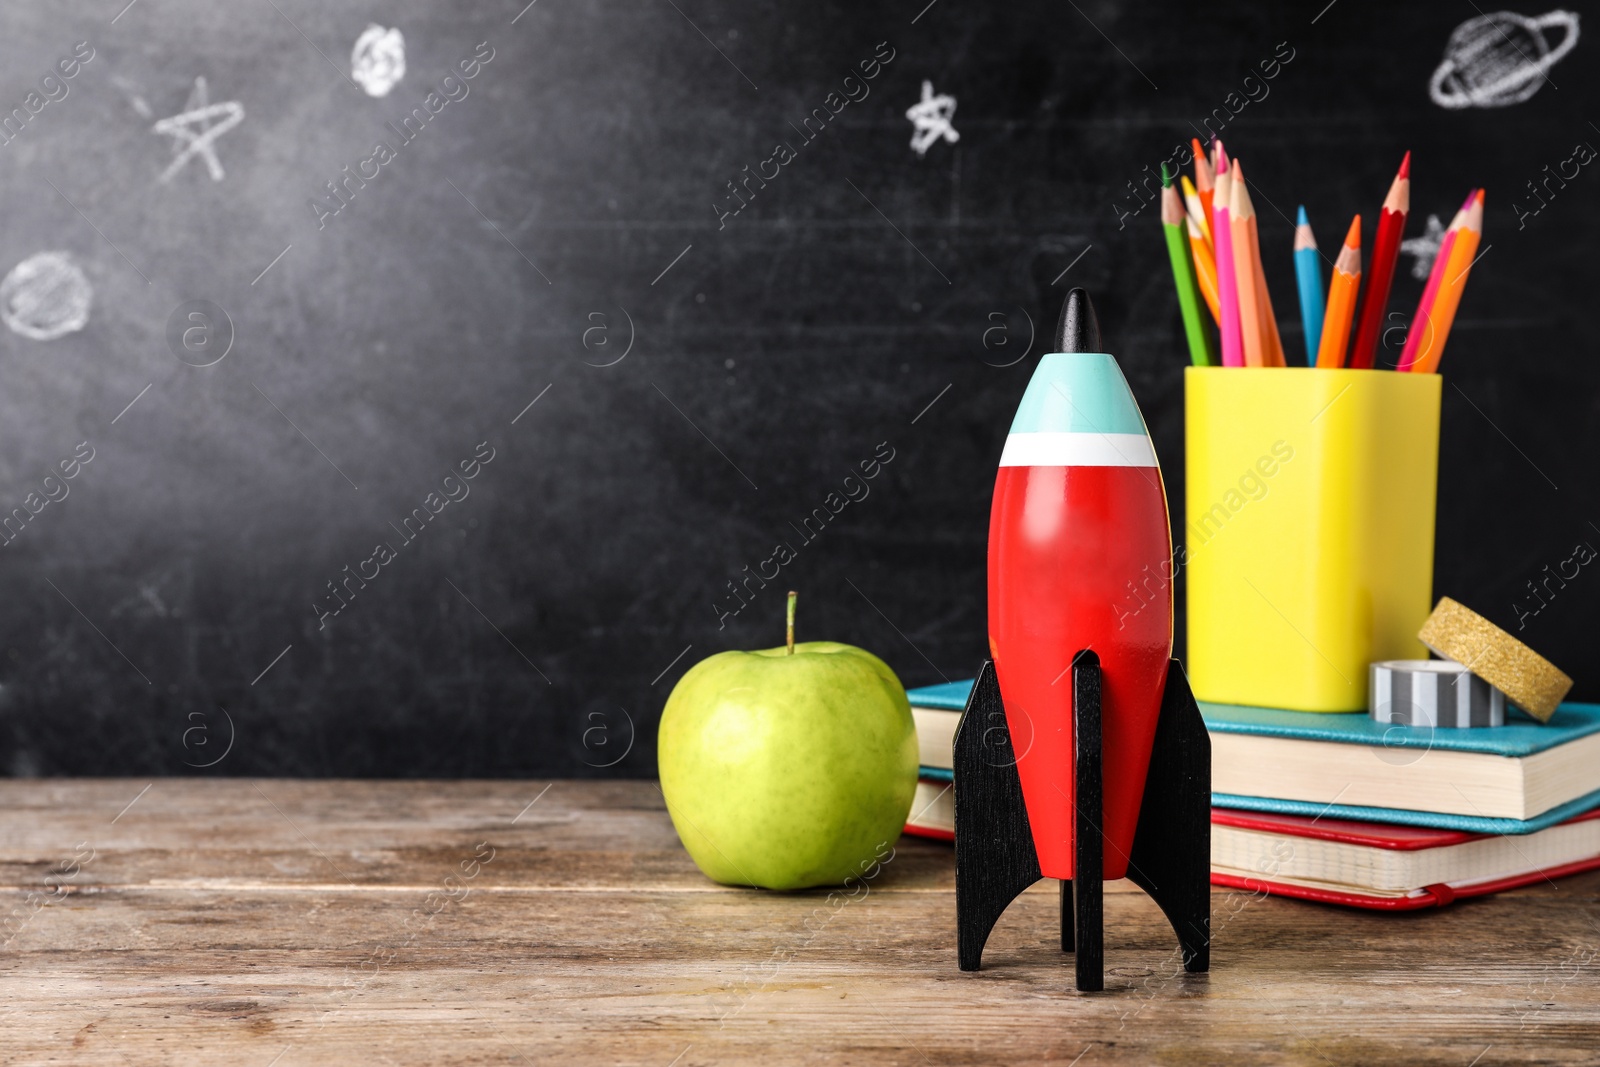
(277, 923)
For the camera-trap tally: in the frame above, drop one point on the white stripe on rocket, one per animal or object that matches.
(1078, 450)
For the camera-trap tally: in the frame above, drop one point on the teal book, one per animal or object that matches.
(1512, 779)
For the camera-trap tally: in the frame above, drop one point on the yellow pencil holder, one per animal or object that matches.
(1309, 508)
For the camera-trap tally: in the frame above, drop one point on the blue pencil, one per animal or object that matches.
(1308, 272)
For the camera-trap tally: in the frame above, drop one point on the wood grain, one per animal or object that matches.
(284, 922)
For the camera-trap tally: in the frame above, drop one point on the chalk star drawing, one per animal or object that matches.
(195, 130)
(931, 117)
(1425, 247)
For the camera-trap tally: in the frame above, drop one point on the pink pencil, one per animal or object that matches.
(1227, 285)
(1422, 322)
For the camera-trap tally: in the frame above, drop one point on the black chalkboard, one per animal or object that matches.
(713, 332)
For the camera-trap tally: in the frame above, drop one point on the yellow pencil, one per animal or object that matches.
(1196, 207)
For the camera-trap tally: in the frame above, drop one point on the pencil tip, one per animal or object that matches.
(1405, 165)
(1078, 330)
(1166, 176)
(1353, 237)
(1300, 217)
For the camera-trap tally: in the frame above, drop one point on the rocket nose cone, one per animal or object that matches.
(1078, 330)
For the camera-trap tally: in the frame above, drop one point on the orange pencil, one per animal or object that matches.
(1271, 340)
(1454, 281)
(1246, 260)
(1205, 269)
(1421, 334)
(1205, 181)
(1202, 247)
(1341, 306)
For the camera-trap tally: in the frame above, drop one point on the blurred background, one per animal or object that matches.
(426, 372)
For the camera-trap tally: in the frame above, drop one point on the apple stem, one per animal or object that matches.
(793, 596)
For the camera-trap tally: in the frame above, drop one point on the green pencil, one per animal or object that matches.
(1175, 223)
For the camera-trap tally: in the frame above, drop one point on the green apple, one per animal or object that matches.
(788, 767)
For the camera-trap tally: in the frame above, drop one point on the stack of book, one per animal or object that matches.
(1341, 809)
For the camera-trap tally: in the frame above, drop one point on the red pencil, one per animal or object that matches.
(1385, 251)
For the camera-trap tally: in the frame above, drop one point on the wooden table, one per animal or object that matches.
(278, 923)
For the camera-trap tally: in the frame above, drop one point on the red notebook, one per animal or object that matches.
(933, 811)
(1387, 866)
(1383, 866)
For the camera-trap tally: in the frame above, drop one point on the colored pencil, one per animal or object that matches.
(1205, 269)
(1271, 342)
(1205, 183)
(1454, 280)
(1385, 251)
(1308, 275)
(1342, 289)
(1195, 207)
(1227, 286)
(1421, 334)
(1175, 222)
(1241, 223)
(1205, 256)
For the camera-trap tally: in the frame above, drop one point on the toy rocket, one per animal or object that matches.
(1081, 754)
(1078, 543)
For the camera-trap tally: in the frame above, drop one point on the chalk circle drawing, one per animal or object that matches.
(1500, 59)
(199, 333)
(597, 340)
(931, 118)
(378, 61)
(999, 347)
(598, 742)
(45, 296)
(194, 130)
(196, 737)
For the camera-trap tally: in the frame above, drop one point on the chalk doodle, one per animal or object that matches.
(378, 61)
(1425, 246)
(931, 117)
(45, 296)
(1500, 59)
(195, 130)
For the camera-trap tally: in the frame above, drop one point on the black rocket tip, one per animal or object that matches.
(1078, 330)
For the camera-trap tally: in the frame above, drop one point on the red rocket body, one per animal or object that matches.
(1080, 556)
